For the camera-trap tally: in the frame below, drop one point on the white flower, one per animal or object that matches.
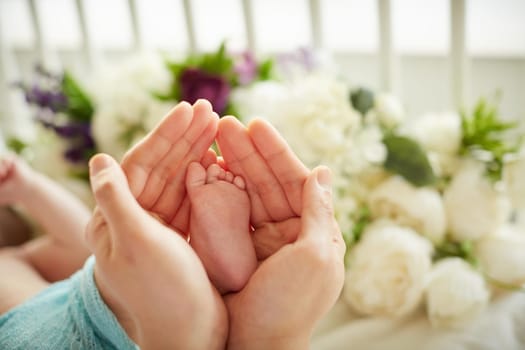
(367, 149)
(126, 108)
(119, 124)
(514, 177)
(473, 205)
(456, 293)
(387, 271)
(316, 119)
(46, 154)
(502, 256)
(438, 132)
(388, 110)
(419, 208)
(258, 100)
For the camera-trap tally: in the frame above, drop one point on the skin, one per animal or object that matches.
(296, 239)
(29, 268)
(219, 225)
(278, 307)
(296, 283)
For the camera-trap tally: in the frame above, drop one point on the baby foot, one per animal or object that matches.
(14, 175)
(219, 225)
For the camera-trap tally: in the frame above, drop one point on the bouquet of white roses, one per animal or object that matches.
(425, 204)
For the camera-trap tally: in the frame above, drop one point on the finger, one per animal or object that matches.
(271, 237)
(139, 161)
(209, 158)
(269, 202)
(317, 219)
(285, 165)
(168, 178)
(196, 177)
(113, 196)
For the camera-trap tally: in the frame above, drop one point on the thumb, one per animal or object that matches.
(112, 194)
(317, 218)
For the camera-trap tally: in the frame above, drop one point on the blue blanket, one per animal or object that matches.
(67, 315)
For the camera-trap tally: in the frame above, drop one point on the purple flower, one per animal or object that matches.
(55, 101)
(75, 154)
(246, 68)
(303, 57)
(195, 84)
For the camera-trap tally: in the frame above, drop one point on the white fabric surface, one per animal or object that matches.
(501, 326)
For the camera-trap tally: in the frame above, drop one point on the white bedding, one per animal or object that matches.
(501, 327)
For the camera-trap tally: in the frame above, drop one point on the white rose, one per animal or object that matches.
(438, 132)
(389, 110)
(120, 123)
(367, 148)
(316, 119)
(46, 154)
(387, 271)
(146, 71)
(474, 207)
(502, 255)
(456, 293)
(419, 208)
(514, 177)
(258, 99)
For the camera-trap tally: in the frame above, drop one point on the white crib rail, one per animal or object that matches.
(389, 62)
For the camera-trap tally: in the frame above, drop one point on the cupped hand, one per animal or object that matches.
(149, 276)
(296, 237)
(156, 166)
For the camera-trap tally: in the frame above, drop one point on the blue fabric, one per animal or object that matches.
(67, 315)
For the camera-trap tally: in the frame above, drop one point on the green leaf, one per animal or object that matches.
(406, 158)
(362, 100)
(463, 250)
(16, 145)
(265, 70)
(79, 106)
(484, 131)
(218, 62)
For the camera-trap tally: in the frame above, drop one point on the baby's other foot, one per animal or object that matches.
(14, 174)
(219, 225)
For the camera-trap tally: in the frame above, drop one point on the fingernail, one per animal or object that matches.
(98, 163)
(324, 178)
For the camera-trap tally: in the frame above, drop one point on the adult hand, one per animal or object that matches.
(274, 180)
(296, 236)
(156, 166)
(149, 276)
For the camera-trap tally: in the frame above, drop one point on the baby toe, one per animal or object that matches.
(214, 173)
(239, 182)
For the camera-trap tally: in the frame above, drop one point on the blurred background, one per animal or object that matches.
(416, 118)
(433, 54)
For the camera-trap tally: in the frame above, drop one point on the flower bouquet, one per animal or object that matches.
(425, 205)
(62, 107)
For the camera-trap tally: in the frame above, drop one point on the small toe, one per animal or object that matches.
(195, 176)
(214, 173)
(239, 182)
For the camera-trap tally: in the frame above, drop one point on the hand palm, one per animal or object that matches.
(156, 167)
(129, 244)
